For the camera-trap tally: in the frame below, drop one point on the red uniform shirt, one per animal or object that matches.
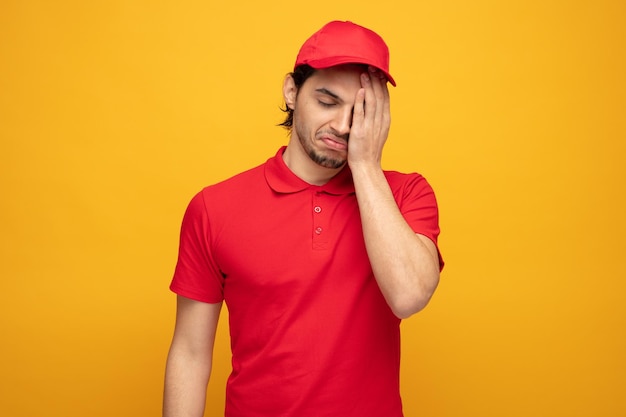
(311, 334)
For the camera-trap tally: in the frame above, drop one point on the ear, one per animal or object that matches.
(290, 92)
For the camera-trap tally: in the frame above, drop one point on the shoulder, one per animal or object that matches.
(226, 191)
(401, 177)
(403, 184)
(218, 203)
(232, 190)
(238, 182)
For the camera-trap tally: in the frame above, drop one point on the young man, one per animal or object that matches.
(318, 253)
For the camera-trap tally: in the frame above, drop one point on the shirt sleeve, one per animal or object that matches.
(197, 275)
(419, 208)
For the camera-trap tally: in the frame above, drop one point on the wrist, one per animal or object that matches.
(364, 164)
(366, 171)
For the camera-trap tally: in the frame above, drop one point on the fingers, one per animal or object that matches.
(358, 114)
(381, 91)
(370, 119)
(376, 100)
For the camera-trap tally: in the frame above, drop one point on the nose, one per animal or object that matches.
(342, 122)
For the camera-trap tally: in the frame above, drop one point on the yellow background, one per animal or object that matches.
(114, 113)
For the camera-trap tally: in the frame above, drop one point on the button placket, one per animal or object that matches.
(319, 222)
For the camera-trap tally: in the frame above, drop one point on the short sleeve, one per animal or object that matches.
(197, 275)
(418, 205)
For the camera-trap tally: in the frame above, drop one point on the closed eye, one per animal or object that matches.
(327, 98)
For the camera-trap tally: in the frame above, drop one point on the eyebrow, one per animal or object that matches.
(328, 93)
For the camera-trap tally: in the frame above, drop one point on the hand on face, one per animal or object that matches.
(370, 121)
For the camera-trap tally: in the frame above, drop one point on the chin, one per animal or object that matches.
(327, 161)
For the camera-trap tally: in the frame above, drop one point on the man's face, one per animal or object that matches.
(323, 114)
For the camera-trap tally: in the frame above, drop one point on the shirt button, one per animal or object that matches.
(317, 209)
(318, 231)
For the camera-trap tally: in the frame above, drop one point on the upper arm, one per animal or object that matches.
(190, 357)
(196, 324)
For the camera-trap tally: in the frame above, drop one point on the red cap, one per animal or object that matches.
(345, 43)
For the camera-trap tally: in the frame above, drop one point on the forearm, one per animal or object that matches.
(405, 268)
(186, 379)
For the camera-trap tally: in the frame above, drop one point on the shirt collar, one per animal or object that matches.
(280, 178)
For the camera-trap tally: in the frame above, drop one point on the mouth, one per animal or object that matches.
(334, 142)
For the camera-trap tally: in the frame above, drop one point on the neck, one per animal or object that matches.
(304, 167)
